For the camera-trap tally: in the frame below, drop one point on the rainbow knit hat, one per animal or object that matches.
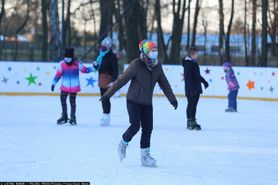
(146, 45)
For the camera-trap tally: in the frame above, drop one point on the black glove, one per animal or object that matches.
(175, 104)
(206, 84)
(95, 64)
(52, 87)
(103, 98)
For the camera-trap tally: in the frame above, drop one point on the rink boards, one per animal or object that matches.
(35, 78)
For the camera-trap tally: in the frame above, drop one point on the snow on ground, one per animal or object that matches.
(233, 148)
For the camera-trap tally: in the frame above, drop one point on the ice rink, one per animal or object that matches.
(232, 149)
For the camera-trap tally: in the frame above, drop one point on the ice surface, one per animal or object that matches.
(232, 149)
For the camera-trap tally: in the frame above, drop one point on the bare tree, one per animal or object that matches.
(2, 12)
(221, 30)
(246, 40)
(55, 43)
(160, 35)
(20, 28)
(272, 26)
(264, 33)
(131, 28)
(44, 30)
(106, 10)
(253, 33)
(178, 20)
(195, 23)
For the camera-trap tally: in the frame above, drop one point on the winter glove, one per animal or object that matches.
(175, 104)
(104, 97)
(110, 84)
(95, 64)
(52, 87)
(206, 84)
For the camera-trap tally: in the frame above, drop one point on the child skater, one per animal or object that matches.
(233, 87)
(144, 72)
(193, 88)
(68, 69)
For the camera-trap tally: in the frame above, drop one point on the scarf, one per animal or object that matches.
(100, 57)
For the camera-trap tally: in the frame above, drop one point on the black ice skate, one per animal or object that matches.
(72, 120)
(193, 125)
(63, 119)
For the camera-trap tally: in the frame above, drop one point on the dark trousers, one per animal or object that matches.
(106, 105)
(232, 103)
(63, 98)
(139, 115)
(192, 102)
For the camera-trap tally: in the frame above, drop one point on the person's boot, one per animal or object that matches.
(122, 150)
(193, 125)
(196, 125)
(105, 120)
(63, 119)
(72, 119)
(146, 158)
(230, 110)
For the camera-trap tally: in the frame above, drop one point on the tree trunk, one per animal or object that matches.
(20, 28)
(67, 24)
(196, 15)
(188, 25)
(221, 31)
(254, 34)
(245, 34)
(142, 21)
(227, 43)
(161, 43)
(178, 12)
(131, 26)
(2, 12)
(120, 26)
(55, 43)
(106, 10)
(44, 30)
(264, 33)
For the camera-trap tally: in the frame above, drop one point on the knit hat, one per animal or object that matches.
(69, 52)
(146, 45)
(107, 42)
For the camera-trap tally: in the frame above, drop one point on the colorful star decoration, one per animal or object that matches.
(90, 81)
(31, 79)
(207, 71)
(5, 80)
(271, 89)
(250, 84)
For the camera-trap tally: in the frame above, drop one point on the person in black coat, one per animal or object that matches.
(193, 88)
(107, 66)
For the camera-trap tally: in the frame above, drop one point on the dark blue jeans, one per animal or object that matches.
(232, 103)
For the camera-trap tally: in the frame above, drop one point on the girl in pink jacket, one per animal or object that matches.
(68, 69)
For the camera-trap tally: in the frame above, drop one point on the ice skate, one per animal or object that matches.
(146, 158)
(193, 125)
(122, 150)
(230, 110)
(105, 120)
(72, 120)
(63, 119)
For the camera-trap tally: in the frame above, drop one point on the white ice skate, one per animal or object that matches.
(105, 120)
(146, 158)
(122, 150)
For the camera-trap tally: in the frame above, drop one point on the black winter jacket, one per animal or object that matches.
(109, 65)
(192, 77)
